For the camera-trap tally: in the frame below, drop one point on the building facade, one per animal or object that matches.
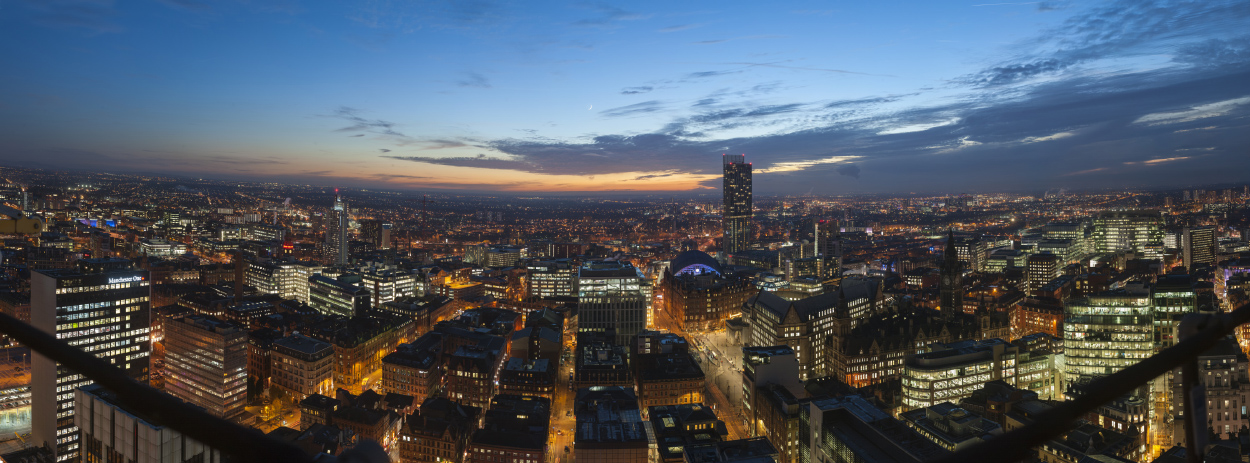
(736, 207)
(206, 364)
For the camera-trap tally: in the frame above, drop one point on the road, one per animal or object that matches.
(724, 374)
(563, 422)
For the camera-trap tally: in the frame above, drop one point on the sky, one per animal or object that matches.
(823, 97)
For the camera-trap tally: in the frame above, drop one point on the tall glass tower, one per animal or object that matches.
(736, 209)
(336, 233)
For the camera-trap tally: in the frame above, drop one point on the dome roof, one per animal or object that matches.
(694, 262)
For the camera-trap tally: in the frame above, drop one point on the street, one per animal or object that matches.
(563, 421)
(723, 371)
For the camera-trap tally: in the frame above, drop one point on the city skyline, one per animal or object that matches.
(486, 97)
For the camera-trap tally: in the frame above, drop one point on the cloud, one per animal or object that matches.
(1005, 4)
(356, 135)
(1158, 161)
(804, 165)
(634, 109)
(360, 124)
(482, 162)
(1084, 172)
(1218, 108)
(678, 28)
(849, 170)
(384, 150)
(804, 68)
(609, 17)
(660, 175)
(707, 74)
(1051, 137)
(730, 39)
(473, 79)
(635, 90)
(918, 127)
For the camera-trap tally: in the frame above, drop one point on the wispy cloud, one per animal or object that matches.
(731, 39)
(636, 90)
(804, 165)
(1052, 137)
(1218, 108)
(645, 107)
(679, 28)
(474, 80)
(609, 16)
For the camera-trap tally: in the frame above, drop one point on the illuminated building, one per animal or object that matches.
(609, 426)
(950, 372)
(809, 325)
(111, 432)
(335, 250)
(302, 366)
(472, 372)
(551, 278)
(438, 431)
(528, 377)
(679, 426)
(1106, 332)
(599, 361)
(610, 296)
(736, 209)
(376, 232)
(669, 379)
(1124, 231)
(260, 361)
(387, 284)
(206, 364)
(770, 386)
(850, 429)
(698, 297)
(1041, 269)
(335, 297)
(360, 344)
(104, 308)
(828, 249)
(1227, 391)
(1037, 315)
(288, 279)
(1199, 246)
(414, 369)
(515, 429)
(951, 287)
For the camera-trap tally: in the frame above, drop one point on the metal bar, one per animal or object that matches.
(1019, 444)
(244, 444)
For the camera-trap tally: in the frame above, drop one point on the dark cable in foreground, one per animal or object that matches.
(241, 443)
(1019, 444)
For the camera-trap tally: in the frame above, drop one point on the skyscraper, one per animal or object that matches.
(377, 233)
(736, 208)
(952, 284)
(336, 233)
(1199, 246)
(102, 307)
(829, 249)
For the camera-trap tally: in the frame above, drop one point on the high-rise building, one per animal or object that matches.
(951, 287)
(1124, 231)
(551, 278)
(610, 296)
(736, 209)
(336, 233)
(206, 364)
(828, 249)
(377, 233)
(1107, 332)
(102, 307)
(112, 432)
(1041, 269)
(1199, 246)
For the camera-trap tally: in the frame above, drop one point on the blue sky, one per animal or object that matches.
(823, 97)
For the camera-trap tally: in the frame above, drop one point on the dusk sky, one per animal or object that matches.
(823, 97)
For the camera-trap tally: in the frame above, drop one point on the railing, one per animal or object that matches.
(241, 443)
(1200, 333)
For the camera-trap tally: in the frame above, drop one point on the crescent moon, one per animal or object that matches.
(590, 108)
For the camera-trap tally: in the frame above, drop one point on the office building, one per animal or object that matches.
(335, 297)
(535, 378)
(1128, 231)
(1041, 268)
(1106, 332)
(599, 361)
(1227, 391)
(849, 429)
(951, 427)
(337, 222)
(828, 249)
(609, 426)
(770, 393)
(950, 372)
(288, 279)
(669, 379)
(679, 426)
(103, 307)
(1199, 246)
(113, 433)
(610, 296)
(736, 209)
(551, 278)
(377, 233)
(206, 364)
(302, 366)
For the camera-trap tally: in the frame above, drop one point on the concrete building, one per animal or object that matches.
(1198, 246)
(515, 429)
(102, 307)
(111, 432)
(1106, 332)
(950, 372)
(288, 279)
(206, 364)
(334, 297)
(763, 369)
(610, 295)
(551, 278)
(951, 427)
